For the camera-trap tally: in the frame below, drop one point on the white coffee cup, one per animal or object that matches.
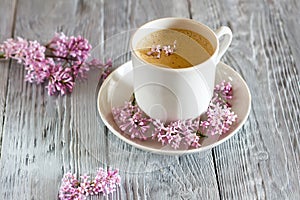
(177, 94)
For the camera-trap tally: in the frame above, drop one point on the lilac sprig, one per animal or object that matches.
(60, 80)
(77, 48)
(58, 64)
(223, 93)
(132, 120)
(178, 133)
(105, 182)
(220, 117)
(182, 133)
(18, 49)
(156, 50)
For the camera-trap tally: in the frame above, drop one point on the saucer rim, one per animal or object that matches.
(170, 152)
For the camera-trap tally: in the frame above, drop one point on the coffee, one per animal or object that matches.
(191, 48)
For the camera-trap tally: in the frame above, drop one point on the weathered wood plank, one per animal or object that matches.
(290, 15)
(262, 160)
(7, 9)
(45, 136)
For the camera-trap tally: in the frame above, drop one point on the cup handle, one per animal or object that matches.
(223, 31)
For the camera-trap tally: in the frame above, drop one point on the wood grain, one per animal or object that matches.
(43, 137)
(42, 134)
(265, 153)
(6, 31)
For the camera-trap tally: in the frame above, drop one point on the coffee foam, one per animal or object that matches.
(187, 43)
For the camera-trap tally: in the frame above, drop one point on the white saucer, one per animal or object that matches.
(118, 88)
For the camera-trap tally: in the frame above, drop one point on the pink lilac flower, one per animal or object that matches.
(219, 114)
(69, 188)
(223, 92)
(58, 45)
(225, 89)
(32, 55)
(220, 118)
(15, 49)
(23, 51)
(132, 120)
(63, 62)
(168, 49)
(79, 70)
(182, 133)
(178, 133)
(157, 49)
(60, 80)
(39, 71)
(75, 50)
(35, 52)
(104, 182)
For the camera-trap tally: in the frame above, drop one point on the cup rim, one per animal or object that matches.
(176, 69)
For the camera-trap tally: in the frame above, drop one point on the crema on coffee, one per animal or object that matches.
(191, 48)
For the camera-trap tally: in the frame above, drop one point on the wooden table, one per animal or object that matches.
(43, 137)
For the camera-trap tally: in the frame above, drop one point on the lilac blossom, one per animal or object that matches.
(219, 119)
(223, 92)
(69, 188)
(132, 120)
(105, 182)
(168, 49)
(178, 133)
(60, 62)
(60, 80)
(15, 49)
(225, 89)
(219, 114)
(23, 51)
(32, 55)
(39, 71)
(35, 52)
(181, 133)
(156, 50)
(73, 48)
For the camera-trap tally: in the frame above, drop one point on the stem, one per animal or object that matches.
(133, 100)
(66, 62)
(65, 58)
